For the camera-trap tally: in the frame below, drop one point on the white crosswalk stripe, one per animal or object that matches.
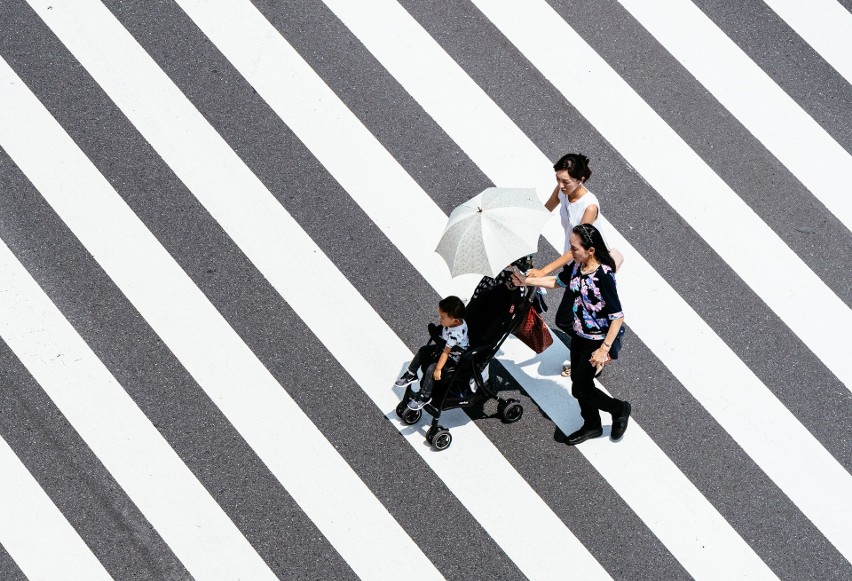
(779, 504)
(826, 26)
(31, 526)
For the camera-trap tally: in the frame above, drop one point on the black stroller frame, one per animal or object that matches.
(457, 390)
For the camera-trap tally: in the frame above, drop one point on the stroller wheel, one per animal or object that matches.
(511, 411)
(430, 433)
(441, 439)
(400, 409)
(411, 417)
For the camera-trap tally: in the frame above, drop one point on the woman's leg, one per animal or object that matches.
(591, 398)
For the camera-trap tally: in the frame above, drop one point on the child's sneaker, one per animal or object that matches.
(416, 404)
(407, 379)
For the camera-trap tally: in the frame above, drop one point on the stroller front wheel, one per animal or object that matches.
(400, 409)
(441, 438)
(410, 416)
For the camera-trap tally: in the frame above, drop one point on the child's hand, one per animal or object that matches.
(436, 375)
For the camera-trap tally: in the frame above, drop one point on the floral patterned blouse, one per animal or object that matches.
(590, 301)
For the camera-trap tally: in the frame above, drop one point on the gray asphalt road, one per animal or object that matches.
(130, 547)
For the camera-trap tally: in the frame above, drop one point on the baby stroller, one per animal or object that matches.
(491, 317)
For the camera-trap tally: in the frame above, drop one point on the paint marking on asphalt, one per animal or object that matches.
(267, 234)
(823, 24)
(685, 181)
(315, 475)
(726, 71)
(695, 356)
(120, 435)
(411, 51)
(32, 529)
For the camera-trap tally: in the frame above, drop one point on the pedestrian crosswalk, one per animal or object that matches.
(121, 436)
(207, 347)
(218, 231)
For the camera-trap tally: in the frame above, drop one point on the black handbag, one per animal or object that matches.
(616, 344)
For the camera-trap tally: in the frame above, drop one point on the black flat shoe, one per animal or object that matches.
(619, 424)
(582, 435)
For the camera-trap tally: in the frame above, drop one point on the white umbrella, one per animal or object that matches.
(492, 230)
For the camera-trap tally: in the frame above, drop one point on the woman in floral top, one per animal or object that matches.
(590, 312)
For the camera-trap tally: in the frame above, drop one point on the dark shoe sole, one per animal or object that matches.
(619, 424)
(573, 440)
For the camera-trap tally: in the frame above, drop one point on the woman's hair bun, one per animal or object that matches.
(576, 164)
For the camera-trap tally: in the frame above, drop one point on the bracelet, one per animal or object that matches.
(607, 345)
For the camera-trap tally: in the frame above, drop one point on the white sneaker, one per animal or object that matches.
(416, 404)
(407, 379)
(566, 368)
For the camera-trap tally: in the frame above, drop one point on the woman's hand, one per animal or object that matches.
(600, 356)
(535, 273)
(436, 375)
(517, 281)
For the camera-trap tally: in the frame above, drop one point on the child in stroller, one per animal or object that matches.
(450, 343)
(496, 309)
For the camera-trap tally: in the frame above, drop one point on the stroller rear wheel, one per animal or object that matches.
(511, 410)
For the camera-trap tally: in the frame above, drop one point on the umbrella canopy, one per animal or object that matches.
(492, 230)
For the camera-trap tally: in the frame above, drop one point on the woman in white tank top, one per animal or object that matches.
(577, 205)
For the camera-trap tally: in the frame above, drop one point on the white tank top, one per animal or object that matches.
(572, 213)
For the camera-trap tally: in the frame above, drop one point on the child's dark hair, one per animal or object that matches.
(453, 306)
(576, 164)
